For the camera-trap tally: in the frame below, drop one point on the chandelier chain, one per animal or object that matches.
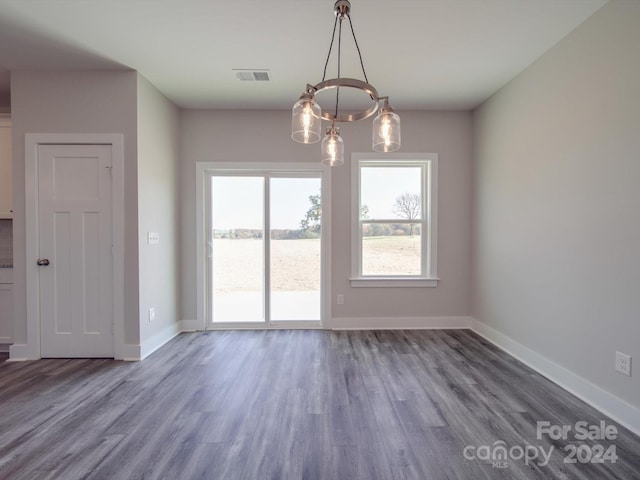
(357, 48)
(339, 52)
(333, 36)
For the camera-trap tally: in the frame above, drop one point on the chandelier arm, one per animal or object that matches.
(357, 48)
(333, 35)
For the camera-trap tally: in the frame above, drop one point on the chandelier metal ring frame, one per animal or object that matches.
(351, 83)
(307, 114)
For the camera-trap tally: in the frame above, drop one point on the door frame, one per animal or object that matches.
(261, 168)
(31, 350)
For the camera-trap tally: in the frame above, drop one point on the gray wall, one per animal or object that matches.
(76, 102)
(157, 209)
(5, 94)
(255, 136)
(556, 250)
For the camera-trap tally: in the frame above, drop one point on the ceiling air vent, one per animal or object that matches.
(246, 75)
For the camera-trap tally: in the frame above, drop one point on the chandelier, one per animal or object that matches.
(307, 115)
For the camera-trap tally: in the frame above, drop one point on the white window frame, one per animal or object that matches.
(429, 164)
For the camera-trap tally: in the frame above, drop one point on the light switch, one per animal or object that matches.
(153, 238)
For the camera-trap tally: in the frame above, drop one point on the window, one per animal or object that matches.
(394, 220)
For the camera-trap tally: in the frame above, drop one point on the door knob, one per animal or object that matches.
(43, 262)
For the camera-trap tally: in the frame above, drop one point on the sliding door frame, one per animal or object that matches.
(204, 172)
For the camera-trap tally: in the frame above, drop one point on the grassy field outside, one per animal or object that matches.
(395, 255)
(238, 265)
(295, 264)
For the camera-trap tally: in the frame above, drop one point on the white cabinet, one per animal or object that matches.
(6, 313)
(6, 183)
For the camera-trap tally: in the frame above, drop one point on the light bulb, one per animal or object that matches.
(385, 130)
(331, 149)
(307, 119)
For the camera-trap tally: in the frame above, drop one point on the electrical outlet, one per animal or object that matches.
(152, 314)
(623, 363)
(340, 299)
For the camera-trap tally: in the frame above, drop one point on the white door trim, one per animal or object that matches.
(201, 237)
(32, 141)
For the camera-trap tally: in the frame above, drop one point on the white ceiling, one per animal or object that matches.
(424, 54)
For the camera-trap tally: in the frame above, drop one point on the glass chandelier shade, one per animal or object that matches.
(386, 130)
(306, 120)
(333, 147)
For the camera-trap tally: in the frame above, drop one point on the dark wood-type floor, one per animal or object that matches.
(292, 405)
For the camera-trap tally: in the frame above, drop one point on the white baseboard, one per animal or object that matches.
(191, 326)
(19, 352)
(398, 323)
(616, 408)
(371, 323)
(131, 352)
(159, 339)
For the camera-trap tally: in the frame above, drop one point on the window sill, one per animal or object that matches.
(391, 282)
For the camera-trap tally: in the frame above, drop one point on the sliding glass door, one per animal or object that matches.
(295, 234)
(237, 249)
(264, 262)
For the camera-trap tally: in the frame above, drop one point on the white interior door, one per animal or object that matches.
(75, 250)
